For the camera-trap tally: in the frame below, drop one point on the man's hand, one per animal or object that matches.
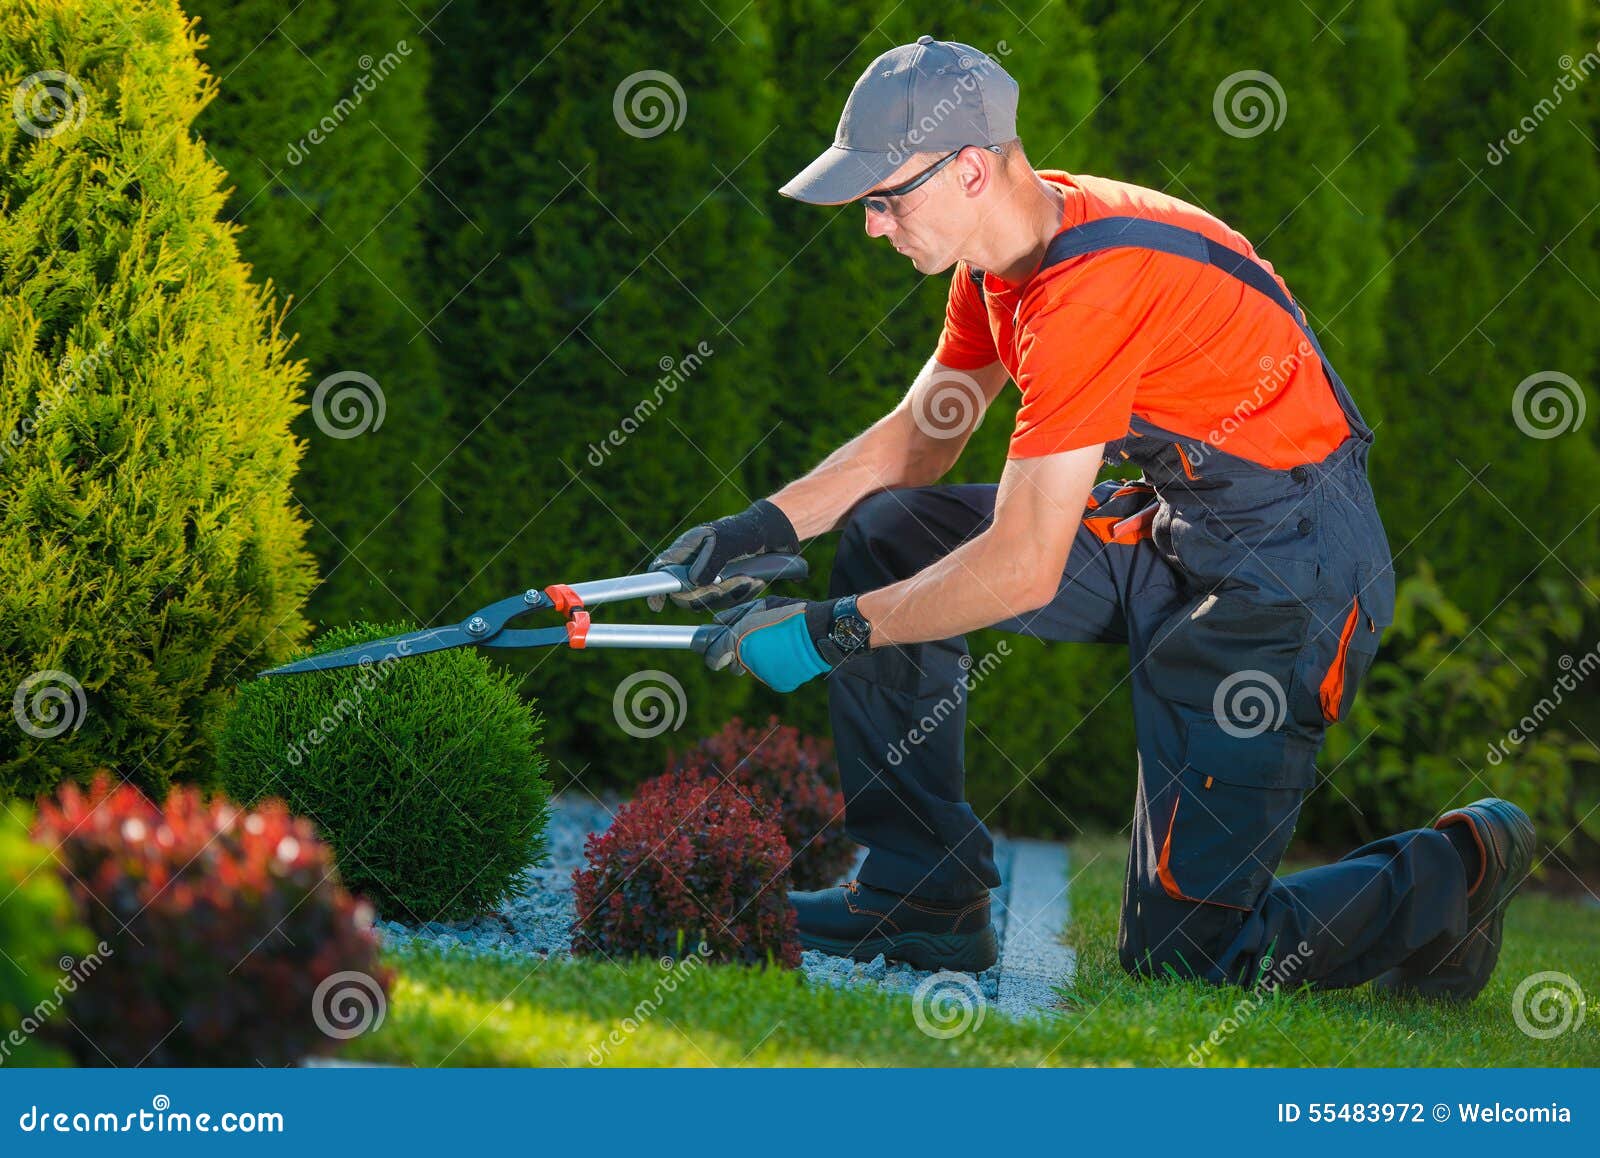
(774, 639)
(760, 529)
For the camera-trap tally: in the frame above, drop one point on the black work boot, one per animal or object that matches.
(856, 920)
(1458, 969)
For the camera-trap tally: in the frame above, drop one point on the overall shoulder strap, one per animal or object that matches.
(1141, 233)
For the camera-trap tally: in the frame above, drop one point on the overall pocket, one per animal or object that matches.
(1231, 656)
(1233, 812)
(1371, 609)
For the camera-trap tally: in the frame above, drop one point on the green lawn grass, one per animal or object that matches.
(448, 1009)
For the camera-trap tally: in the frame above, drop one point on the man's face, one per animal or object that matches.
(928, 224)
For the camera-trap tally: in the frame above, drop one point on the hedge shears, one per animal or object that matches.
(487, 627)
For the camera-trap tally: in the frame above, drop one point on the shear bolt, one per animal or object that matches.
(477, 625)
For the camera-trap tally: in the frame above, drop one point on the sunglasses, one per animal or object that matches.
(877, 200)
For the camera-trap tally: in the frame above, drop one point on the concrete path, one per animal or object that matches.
(1033, 959)
(1029, 912)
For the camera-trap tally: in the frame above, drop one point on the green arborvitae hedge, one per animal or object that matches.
(593, 267)
(1495, 279)
(323, 124)
(1312, 193)
(150, 556)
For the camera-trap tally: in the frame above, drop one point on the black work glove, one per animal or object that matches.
(759, 529)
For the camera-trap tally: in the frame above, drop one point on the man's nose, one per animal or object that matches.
(878, 224)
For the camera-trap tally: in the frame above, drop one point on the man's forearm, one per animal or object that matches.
(1013, 567)
(885, 455)
(987, 579)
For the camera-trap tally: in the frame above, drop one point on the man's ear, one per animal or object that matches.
(975, 171)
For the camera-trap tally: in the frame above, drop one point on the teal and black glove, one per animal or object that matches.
(782, 642)
(760, 529)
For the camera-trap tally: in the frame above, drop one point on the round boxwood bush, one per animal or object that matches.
(688, 862)
(224, 936)
(798, 779)
(424, 773)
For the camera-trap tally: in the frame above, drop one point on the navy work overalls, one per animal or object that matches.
(1252, 601)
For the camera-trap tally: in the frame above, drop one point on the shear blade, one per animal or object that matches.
(378, 650)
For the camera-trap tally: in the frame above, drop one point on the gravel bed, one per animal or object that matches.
(538, 920)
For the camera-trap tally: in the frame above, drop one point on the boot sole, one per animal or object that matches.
(962, 952)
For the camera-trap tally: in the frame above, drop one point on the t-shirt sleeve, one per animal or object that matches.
(1078, 367)
(967, 343)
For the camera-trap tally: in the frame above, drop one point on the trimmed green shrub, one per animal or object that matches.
(797, 783)
(38, 926)
(148, 549)
(688, 865)
(229, 940)
(424, 773)
(323, 125)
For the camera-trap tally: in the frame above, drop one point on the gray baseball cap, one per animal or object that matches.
(932, 96)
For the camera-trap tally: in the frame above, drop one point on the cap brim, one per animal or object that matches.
(841, 175)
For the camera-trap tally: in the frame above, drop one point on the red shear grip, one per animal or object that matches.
(578, 629)
(564, 597)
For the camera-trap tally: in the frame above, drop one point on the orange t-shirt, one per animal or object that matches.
(1182, 344)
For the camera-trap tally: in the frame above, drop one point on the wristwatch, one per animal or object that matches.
(850, 632)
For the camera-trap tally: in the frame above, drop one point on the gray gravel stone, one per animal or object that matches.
(538, 920)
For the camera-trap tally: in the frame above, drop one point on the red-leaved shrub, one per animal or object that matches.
(797, 778)
(687, 861)
(220, 928)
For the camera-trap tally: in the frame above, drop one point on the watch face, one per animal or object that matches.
(850, 632)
